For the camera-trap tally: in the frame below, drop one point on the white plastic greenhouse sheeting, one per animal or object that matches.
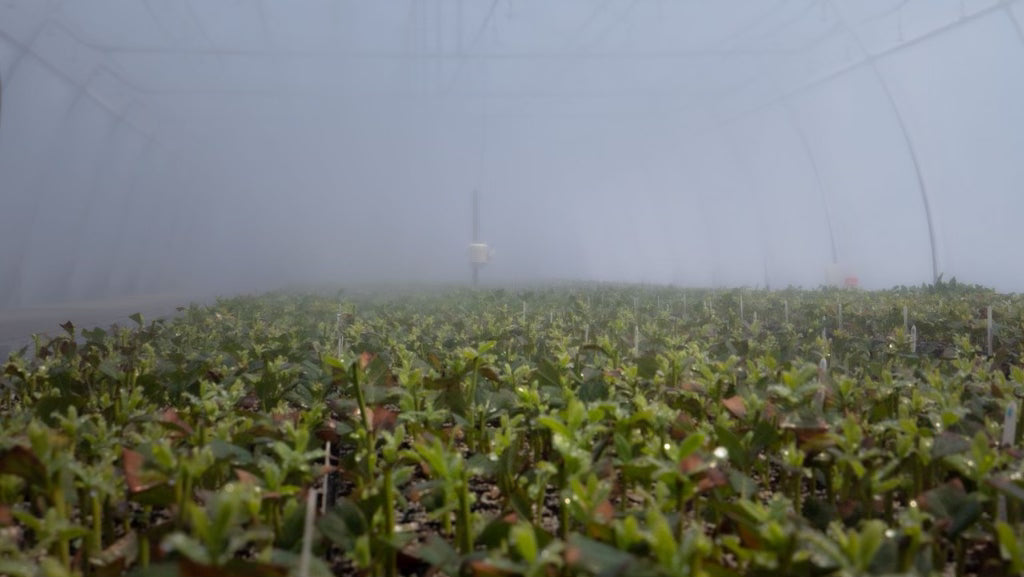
(155, 147)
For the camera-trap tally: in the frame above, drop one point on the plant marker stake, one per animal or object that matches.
(341, 333)
(524, 312)
(819, 396)
(684, 304)
(906, 318)
(636, 340)
(913, 339)
(307, 534)
(327, 478)
(1009, 433)
(989, 335)
(741, 308)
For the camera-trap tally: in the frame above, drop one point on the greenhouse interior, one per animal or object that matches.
(511, 287)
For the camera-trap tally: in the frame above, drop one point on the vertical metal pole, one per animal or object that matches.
(458, 27)
(476, 234)
(795, 121)
(988, 335)
(476, 216)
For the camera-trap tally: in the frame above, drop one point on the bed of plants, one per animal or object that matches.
(575, 430)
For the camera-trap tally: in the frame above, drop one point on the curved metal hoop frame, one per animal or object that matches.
(909, 142)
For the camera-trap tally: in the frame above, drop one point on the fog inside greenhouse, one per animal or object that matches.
(201, 147)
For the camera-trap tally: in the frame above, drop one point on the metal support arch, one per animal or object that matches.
(872, 63)
(909, 142)
(809, 152)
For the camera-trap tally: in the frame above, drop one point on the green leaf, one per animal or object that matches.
(690, 445)
(440, 554)
(946, 444)
(343, 524)
(184, 545)
(224, 451)
(15, 568)
(525, 540)
(1010, 548)
(556, 426)
(583, 553)
(952, 506)
(647, 366)
(731, 441)
(1007, 487)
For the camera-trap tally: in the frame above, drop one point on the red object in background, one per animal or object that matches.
(851, 282)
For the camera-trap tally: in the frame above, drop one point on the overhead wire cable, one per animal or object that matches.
(488, 17)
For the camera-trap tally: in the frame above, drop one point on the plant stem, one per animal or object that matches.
(63, 545)
(144, 551)
(463, 530)
(97, 525)
(680, 507)
(371, 448)
(960, 557)
(390, 559)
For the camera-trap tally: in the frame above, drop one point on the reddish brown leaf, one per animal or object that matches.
(749, 538)
(365, 359)
(323, 470)
(117, 557)
(681, 427)
(736, 406)
(810, 435)
(249, 402)
(171, 418)
(22, 462)
(484, 568)
(691, 464)
(383, 418)
(246, 477)
(605, 511)
(132, 463)
(290, 416)
(328, 432)
(714, 477)
(234, 568)
(573, 555)
(144, 487)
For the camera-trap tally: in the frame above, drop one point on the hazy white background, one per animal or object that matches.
(197, 146)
